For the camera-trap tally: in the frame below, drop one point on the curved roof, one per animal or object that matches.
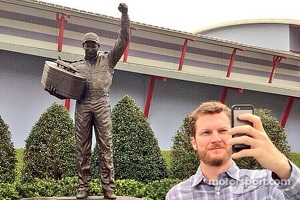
(248, 21)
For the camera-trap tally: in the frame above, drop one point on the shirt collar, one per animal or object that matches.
(233, 171)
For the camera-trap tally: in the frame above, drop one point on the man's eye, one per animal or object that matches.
(223, 131)
(205, 133)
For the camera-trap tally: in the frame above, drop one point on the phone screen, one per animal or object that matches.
(237, 110)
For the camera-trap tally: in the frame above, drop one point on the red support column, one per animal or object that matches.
(67, 104)
(287, 111)
(232, 61)
(229, 69)
(224, 94)
(183, 51)
(150, 92)
(127, 47)
(225, 91)
(61, 21)
(276, 60)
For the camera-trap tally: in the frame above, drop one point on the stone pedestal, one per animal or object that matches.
(74, 198)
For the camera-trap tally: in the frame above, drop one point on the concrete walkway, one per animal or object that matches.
(74, 198)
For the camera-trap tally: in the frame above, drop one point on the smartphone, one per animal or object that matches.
(236, 110)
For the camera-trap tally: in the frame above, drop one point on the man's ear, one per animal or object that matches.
(193, 142)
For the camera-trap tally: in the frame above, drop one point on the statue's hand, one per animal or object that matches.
(67, 66)
(51, 89)
(123, 8)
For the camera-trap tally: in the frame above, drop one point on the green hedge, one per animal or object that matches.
(136, 152)
(50, 147)
(155, 190)
(8, 191)
(7, 155)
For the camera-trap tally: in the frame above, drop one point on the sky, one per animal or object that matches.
(189, 15)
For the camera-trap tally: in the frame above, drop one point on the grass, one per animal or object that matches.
(295, 157)
(19, 155)
(166, 156)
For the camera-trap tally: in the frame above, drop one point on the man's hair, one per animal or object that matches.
(211, 107)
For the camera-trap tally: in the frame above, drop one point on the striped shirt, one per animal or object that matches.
(238, 184)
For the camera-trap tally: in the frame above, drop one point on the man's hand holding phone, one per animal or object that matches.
(262, 149)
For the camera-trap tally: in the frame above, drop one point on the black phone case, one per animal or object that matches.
(239, 147)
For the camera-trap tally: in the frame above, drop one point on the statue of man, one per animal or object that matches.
(94, 109)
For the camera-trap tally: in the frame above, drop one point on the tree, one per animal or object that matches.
(50, 147)
(136, 152)
(184, 161)
(7, 155)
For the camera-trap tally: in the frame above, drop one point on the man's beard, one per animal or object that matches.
(213, 161)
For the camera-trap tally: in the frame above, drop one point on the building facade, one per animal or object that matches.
(168, 73)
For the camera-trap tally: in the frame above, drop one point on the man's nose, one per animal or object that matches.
(216, 137)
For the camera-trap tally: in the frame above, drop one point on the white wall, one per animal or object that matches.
(23, 99)
(273, 36)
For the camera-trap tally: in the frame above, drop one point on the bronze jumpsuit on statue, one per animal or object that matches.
(94, 110)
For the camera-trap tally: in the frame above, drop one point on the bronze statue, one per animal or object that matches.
(93, 110)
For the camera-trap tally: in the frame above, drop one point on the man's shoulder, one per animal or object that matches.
(180, 188)
(186, 183)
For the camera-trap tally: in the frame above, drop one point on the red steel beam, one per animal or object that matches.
(287, 110)
(225, 91)
(295, 25)
(61, 21)
(127, 47)
(183, 51)
(224, 94)
(294, 51)
(232, 61)
(229, 69)
(276, 60)
(67, 104)
(150, 92)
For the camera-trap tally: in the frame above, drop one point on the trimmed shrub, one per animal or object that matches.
(184, 160)
(136, 152)
(8, 158)
(48, 187)
(127, 187)
(50, 147)
(8, 192)
(157, 190)
(95, 163)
